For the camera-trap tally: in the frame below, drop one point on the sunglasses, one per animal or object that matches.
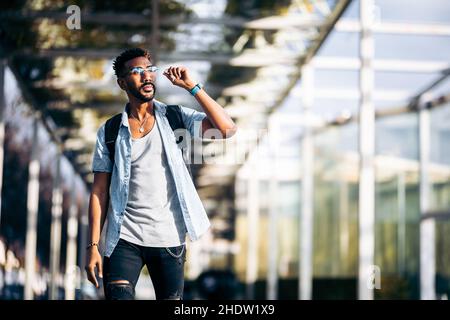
(140, 71)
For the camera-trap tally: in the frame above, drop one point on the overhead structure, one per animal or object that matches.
(250, 70)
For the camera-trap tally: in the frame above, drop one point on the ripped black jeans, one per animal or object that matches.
(165, 265)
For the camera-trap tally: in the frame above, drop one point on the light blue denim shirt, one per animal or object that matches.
(194, 214)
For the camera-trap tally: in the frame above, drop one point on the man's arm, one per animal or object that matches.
(216, 116)
(98, 208)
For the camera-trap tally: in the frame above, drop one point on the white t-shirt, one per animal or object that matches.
(153, 216)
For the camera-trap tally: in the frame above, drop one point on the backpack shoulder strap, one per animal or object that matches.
(173, 114)
(112, 126)
(175, 118)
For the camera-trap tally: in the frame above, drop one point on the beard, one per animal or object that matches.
(138, 92)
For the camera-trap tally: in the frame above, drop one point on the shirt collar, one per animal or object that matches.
(157, 105)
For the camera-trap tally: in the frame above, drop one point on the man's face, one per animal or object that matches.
(139, 85)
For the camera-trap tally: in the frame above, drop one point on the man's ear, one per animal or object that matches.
(121, 83)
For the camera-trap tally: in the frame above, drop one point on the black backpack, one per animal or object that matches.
(112, 125)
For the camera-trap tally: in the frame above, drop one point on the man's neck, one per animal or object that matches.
(140, 109)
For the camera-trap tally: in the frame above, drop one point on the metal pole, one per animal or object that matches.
(307, 196)
(401, 228)
(427, 226)
(84, 225)
(225, 205)
(32, 215)
(2, 125)
(344, 232)
(71, 245)
(366, 203)
(272, 254)
(253, 229)
(55, 237)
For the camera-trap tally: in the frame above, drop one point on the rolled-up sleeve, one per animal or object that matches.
(192, 120)
(101, 161)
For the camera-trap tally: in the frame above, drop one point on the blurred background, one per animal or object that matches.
(336, 186)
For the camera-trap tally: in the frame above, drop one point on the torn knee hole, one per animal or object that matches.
(174, 297)
(119, 282)
(120, 290)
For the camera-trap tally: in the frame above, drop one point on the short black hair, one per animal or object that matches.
(119, 62)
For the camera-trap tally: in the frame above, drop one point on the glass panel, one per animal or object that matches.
(330, 109)
(412, 47)
(336, 79)
(398, 136)
(440, 195)
(430, 11)
(288, 229)
(443, 258)
(397, 230)
(335, 203)
(411, 82)
(440, 135)
(340, 44)
(352, 11)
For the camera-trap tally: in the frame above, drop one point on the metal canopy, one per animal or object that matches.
(238, 50)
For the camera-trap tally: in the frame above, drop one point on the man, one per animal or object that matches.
(153, 199)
